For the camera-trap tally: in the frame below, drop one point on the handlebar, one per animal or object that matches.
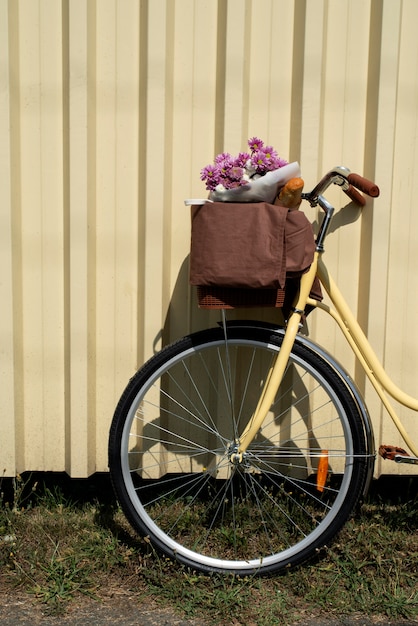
(366, 186)
(349, 182)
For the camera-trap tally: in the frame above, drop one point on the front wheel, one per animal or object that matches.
(172, 461)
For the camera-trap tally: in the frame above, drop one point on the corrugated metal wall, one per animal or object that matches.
(108, 110)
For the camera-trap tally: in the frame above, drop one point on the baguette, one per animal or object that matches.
(290, 194)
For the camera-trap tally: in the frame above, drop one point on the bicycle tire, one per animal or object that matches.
(173, 433)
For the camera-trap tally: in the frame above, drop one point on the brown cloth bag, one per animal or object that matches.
(248, 245)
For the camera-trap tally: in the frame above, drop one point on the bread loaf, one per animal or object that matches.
(291, 194)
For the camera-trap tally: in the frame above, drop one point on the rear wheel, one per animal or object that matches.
(172, 444)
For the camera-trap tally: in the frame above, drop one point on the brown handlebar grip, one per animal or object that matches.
(366, 186)
(355, 195)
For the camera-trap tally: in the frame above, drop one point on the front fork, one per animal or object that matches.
(278, 368)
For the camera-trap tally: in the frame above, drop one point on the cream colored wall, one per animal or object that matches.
(108, 110)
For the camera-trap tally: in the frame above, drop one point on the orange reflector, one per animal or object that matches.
(321, 477)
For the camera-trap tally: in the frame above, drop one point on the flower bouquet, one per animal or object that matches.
(254, 176)
(246, 255)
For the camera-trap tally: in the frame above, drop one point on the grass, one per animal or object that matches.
(59, 545)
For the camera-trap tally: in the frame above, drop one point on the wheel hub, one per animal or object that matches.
(235, 456)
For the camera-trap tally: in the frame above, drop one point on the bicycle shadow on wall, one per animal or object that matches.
(347, 214)
(283, 440)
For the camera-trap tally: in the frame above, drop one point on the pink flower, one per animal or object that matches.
(224, 157)
(210, 174)
(255, 144)
(242, 159)
(259, 161)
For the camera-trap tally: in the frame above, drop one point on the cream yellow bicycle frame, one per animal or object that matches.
(355, 337)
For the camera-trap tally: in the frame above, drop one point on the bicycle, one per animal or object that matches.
(245, 448)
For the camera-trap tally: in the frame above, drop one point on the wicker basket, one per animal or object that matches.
(233, 298)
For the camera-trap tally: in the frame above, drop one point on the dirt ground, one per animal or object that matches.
(21, 610)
